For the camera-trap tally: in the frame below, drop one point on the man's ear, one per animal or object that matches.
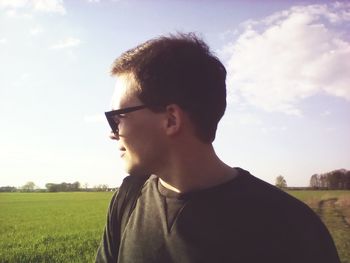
(174, 119)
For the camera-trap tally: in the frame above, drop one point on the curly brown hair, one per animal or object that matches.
(179, 69)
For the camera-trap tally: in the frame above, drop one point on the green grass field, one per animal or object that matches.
(51, 227)
(67, 227)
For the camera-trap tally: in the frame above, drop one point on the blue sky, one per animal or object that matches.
(288, 65)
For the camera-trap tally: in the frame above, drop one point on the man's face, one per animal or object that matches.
(140, 139)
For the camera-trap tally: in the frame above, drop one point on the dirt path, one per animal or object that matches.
(336, 220)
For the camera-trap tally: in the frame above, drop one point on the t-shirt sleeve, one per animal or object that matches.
(320, 245)
(310, 240)
(107, 249)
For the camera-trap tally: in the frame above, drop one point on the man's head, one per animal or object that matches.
(178, 70)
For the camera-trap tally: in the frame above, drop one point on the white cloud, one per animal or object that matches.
(55, 6)
(36, 30)
(13, 13)
(46, 6)
(22, 80)
(246, 119)
(13, 3)
(69, 42)
(291, 55)
(3, 41)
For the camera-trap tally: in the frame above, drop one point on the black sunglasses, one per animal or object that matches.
(114, 116)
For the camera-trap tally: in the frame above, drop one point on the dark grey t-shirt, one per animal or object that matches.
(244, 220)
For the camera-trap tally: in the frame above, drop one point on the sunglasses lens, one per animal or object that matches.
(113, 117)
(113, 124)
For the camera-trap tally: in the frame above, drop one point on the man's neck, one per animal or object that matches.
(195, 170)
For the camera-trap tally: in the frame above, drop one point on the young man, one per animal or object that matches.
(181, 203)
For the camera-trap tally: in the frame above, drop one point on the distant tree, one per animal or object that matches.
(76, 186)
(28, 187)
(346, 179)
(281, 182)
(8, 189)
(314, 181)
(323, 181)
(101, 187)
(52, 187)
(86, 186)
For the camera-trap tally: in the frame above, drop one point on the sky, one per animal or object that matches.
(288, 82)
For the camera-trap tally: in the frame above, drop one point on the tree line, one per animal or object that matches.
(334, 180)
(52, 187)
(63, 187)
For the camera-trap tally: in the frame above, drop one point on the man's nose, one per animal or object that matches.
(114, 136)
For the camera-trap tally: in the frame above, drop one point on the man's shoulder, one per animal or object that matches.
(250, 191)
(269, 209)
(135, 179)
(254, 187)
(139, 183)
